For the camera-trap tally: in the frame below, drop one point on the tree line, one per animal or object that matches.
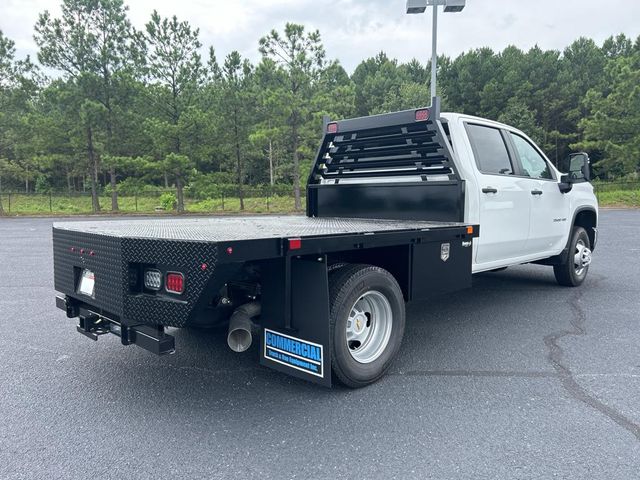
(126, 110)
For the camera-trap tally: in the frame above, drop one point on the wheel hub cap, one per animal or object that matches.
(369, 327)
(582, 257)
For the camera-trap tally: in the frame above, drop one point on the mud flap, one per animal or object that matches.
(295, 318)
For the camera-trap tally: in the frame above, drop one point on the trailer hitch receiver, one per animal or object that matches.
(91, 324)
(150, 337)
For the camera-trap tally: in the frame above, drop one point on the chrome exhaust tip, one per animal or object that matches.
(240, 336)
(239, 339)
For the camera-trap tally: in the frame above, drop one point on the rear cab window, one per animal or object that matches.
(533, 163)
(489, 149)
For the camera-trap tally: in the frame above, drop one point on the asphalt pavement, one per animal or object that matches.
(514, 378)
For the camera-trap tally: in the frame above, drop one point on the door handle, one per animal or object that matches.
(536, 192)
(490, 190)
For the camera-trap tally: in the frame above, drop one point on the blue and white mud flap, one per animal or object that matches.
(301, 355)
(299, 347)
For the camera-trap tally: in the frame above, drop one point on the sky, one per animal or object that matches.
(353, 30)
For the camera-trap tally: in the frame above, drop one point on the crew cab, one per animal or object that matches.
(400, 207)
(529, 211)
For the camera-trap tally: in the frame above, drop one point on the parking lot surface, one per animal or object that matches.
(514, 378)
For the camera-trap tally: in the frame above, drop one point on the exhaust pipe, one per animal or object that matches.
(240, 337)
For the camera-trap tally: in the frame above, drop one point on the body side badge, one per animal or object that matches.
(444, 251)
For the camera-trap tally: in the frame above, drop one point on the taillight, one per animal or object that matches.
(174, 282)
(332, 127)
(152, 279)
(422, 115)
(295, 243)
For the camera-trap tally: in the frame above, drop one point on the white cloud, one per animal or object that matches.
(356, 29)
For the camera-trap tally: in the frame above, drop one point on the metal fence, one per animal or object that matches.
(223, 199)
(618, 193)
(616, 186)
(258, 200)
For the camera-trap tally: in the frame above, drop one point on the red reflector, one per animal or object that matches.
(229, 250)
(332, 127)
(295, 243)
(422, 115)
(175, 282)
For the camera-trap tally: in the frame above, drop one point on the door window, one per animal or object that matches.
(489, 149)
(533, 164)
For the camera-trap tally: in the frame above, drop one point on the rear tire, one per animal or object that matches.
(574, 270)
(367, 320)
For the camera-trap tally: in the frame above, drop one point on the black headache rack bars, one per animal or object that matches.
(397, 165)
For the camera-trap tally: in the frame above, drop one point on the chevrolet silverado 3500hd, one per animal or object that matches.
(400, 207)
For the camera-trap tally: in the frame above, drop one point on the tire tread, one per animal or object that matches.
(565, 273)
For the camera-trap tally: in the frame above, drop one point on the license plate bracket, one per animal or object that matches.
(87, 283)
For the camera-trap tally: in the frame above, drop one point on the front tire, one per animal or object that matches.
(574, 270)
(367, 320)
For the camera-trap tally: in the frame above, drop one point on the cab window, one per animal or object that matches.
(489, 149)
(533, 164)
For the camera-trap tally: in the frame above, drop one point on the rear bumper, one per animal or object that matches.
(92, 325)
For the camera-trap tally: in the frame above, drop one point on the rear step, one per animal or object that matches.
(150, 337)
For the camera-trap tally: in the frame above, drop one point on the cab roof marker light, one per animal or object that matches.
(422, 115)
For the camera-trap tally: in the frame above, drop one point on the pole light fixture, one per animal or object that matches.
(416, 6)
(419, 6)
(454, 6)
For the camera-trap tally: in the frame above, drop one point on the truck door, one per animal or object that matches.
(504, 199)
(549, 223)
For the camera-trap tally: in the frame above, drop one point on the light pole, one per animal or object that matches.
(419, 6)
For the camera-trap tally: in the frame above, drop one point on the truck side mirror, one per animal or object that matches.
(577, 167)
(565, 184)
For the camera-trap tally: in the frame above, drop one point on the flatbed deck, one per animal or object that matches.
(202, 247)
(226, 229)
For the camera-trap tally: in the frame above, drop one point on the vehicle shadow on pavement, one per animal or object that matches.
(204, 371)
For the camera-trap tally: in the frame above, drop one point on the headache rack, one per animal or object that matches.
(397, 165)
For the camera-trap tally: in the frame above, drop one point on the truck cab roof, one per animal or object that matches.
(453, 116)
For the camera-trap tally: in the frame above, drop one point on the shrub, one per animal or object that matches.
(42, 184)
(168, 201)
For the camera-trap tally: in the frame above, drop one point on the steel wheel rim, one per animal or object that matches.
(369, 327)
(581, 257)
